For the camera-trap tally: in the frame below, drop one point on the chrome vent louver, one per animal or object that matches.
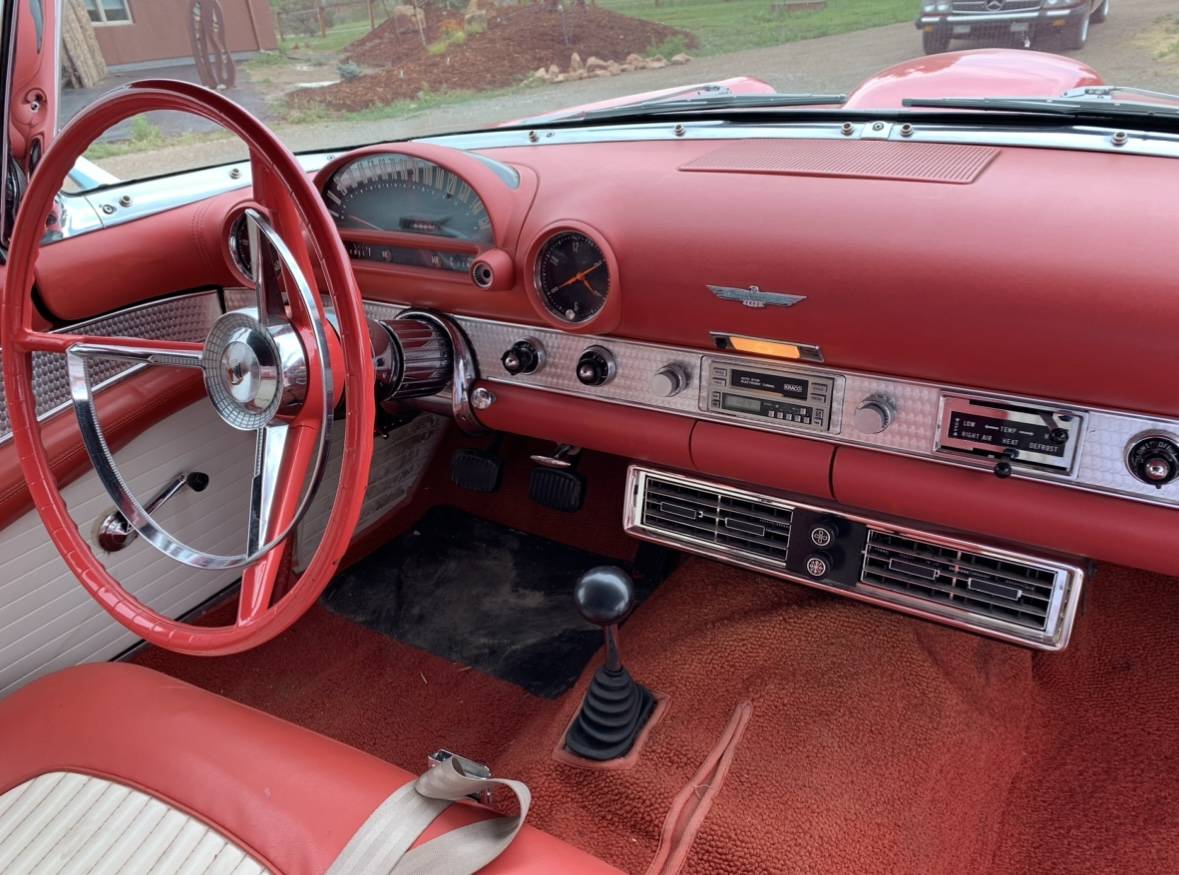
(1029, 600)
(1015, 592)
(717, 517)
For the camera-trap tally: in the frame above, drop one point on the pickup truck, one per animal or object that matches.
(1026, 21)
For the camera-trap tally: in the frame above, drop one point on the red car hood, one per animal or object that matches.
(976, 73)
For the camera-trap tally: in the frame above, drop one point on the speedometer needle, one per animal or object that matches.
(364, 222)
(580, 277)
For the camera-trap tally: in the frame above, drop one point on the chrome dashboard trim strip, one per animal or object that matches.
(1098, 466)
(1069, 578)
(1075, 137)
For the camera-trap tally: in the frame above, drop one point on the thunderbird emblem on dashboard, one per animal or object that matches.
(755, 297)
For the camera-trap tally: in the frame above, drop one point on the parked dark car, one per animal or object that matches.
(1027, 21)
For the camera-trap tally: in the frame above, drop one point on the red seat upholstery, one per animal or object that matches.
(286, 795)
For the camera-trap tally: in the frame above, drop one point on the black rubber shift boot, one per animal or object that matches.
(614, 712)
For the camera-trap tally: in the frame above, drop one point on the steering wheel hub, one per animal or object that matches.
(253, 373)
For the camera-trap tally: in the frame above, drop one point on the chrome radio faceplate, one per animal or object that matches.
(790, 396)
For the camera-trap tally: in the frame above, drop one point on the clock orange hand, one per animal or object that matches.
(580, 277)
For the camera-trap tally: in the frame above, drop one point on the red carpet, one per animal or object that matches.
(877, 743)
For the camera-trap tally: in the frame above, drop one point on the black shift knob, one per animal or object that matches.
(604, 595)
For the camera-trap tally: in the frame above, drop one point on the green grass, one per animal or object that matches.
(396, 110)
(337, 37)
(732, 25)
(1163, 38)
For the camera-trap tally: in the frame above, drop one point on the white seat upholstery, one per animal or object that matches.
(64, 822)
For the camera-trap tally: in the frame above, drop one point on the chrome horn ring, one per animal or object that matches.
(257, 375)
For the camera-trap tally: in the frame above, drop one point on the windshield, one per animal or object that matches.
(328, 74)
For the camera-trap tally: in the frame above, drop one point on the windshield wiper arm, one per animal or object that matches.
(655, 108)
(1068, 107)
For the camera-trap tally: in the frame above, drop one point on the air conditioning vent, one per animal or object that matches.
(1024, 599)
(703, 515)
(1006, 590)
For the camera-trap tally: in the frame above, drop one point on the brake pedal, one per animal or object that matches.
(476, 470)
(557, 488)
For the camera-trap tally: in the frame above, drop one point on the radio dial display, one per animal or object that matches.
(779, 384)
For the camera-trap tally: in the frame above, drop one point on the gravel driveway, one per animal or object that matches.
(835, 63)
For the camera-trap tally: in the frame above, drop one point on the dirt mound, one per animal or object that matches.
(518, 41)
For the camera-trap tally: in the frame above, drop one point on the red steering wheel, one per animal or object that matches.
(277, 369)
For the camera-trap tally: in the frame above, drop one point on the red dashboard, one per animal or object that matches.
(1029, 277)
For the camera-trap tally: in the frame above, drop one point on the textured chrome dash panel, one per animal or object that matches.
(183, 318)
(637, 363)
(1099, 465)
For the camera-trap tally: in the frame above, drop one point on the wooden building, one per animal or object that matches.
(148, 31)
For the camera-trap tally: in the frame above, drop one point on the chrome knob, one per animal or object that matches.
(874, 415)
(669, 381)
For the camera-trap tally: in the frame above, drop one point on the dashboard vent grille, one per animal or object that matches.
(750, 527)
(951, 163)
(1014, 592)
(1024, 599)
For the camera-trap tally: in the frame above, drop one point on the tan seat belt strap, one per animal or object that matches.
(382, 845)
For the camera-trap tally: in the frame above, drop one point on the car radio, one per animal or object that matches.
(799, 399)
(1045, 437)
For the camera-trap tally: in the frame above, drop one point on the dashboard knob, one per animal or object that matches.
(596, 366)
(669, 381)
(525, 357)
(824, 532)
(1154, 459)
(818, 564)
(875, 414)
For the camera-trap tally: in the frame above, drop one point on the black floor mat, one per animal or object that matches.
(490, 597)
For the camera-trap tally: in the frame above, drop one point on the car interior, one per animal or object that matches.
(779, 486)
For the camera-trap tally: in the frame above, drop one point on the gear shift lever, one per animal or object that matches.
(615, 707)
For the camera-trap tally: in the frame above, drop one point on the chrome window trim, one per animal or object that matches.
(1069, 577)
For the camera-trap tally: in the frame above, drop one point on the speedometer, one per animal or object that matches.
(402, 194)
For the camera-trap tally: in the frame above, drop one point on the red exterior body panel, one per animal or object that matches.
(974, 73)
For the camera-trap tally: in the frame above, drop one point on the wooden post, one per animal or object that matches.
(372, 18)
(319, 12)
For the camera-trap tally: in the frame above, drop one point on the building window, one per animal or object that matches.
(109, 11)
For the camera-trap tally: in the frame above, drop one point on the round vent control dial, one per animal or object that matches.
(874, 414)
(1154, 459)
(669, 380)
(596, 366)
(525, 357)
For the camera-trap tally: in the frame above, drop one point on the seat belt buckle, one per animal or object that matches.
(469, 767)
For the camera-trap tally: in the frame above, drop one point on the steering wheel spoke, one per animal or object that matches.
(172, 353)
(282, 455)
